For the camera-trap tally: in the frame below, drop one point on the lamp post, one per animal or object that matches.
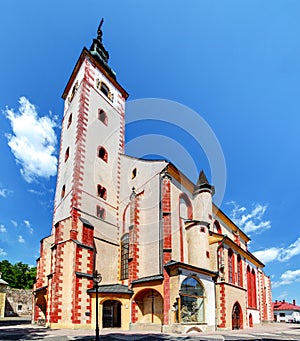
(97, 278)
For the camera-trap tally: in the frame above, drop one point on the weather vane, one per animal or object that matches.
(99, 31)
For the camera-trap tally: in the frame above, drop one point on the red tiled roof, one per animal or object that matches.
(280, 305)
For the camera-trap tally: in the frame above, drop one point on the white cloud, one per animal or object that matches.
(14, 223)
(283, 295)
(268, 255)
(3, 229)
(33, 191)
(4, 192)
(21, 239)
(288, 277)
(281, 254)
(290, 251)
(2, 253)
(33, 141)
(250, 221)
(28, 225)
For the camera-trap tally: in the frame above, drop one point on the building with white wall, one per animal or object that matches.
(286, 312)
(170, 259)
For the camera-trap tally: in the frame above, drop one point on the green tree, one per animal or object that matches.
(19, 275)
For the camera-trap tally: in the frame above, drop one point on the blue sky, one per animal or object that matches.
(235, 63)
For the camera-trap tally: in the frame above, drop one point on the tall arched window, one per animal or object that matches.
(230, 266)
(249, 287)
(239, 271)
(253, 280)
(192, 301)
(124, 256)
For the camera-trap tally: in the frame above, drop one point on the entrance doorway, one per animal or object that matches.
(150, 306)
(237, 319)
(111, 314)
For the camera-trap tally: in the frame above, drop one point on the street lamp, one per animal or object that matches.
(97, 278)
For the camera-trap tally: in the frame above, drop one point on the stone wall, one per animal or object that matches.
(18, 302)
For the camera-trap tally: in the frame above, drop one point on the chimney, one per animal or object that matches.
(294, 302)
(283, 301)
(276, 301)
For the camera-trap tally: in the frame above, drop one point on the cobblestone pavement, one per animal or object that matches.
(18, 329)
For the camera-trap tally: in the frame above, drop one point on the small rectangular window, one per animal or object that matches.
(100, 211)
(101, 192)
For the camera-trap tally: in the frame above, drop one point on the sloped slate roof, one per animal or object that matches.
(112, 289)
(148, 279)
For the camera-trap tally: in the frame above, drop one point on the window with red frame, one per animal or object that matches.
(230, 266)
(251, 288)
(124, 256)
(253, 292)
(239, 271)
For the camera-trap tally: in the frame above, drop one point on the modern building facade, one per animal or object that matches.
(170, 259)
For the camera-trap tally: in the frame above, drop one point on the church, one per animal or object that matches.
(169, 258)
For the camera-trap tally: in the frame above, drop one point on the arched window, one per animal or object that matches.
(192, 301)
(249, 287)
(230, 266)
(253, 280)
(67, 153)
(104, 89)
(100, 212)
(124, 256)
(239, 271)
(133, 173)
(217, 227)
(102, 116)
(102, 153)
(101, 192)
(63, 191)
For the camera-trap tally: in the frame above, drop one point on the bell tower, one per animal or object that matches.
(86, 208)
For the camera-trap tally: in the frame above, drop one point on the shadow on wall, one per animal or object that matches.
(9, 312)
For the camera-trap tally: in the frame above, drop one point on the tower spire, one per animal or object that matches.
(203, 184)
(98, 50)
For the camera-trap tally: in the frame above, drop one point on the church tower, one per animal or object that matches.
(86, 208)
